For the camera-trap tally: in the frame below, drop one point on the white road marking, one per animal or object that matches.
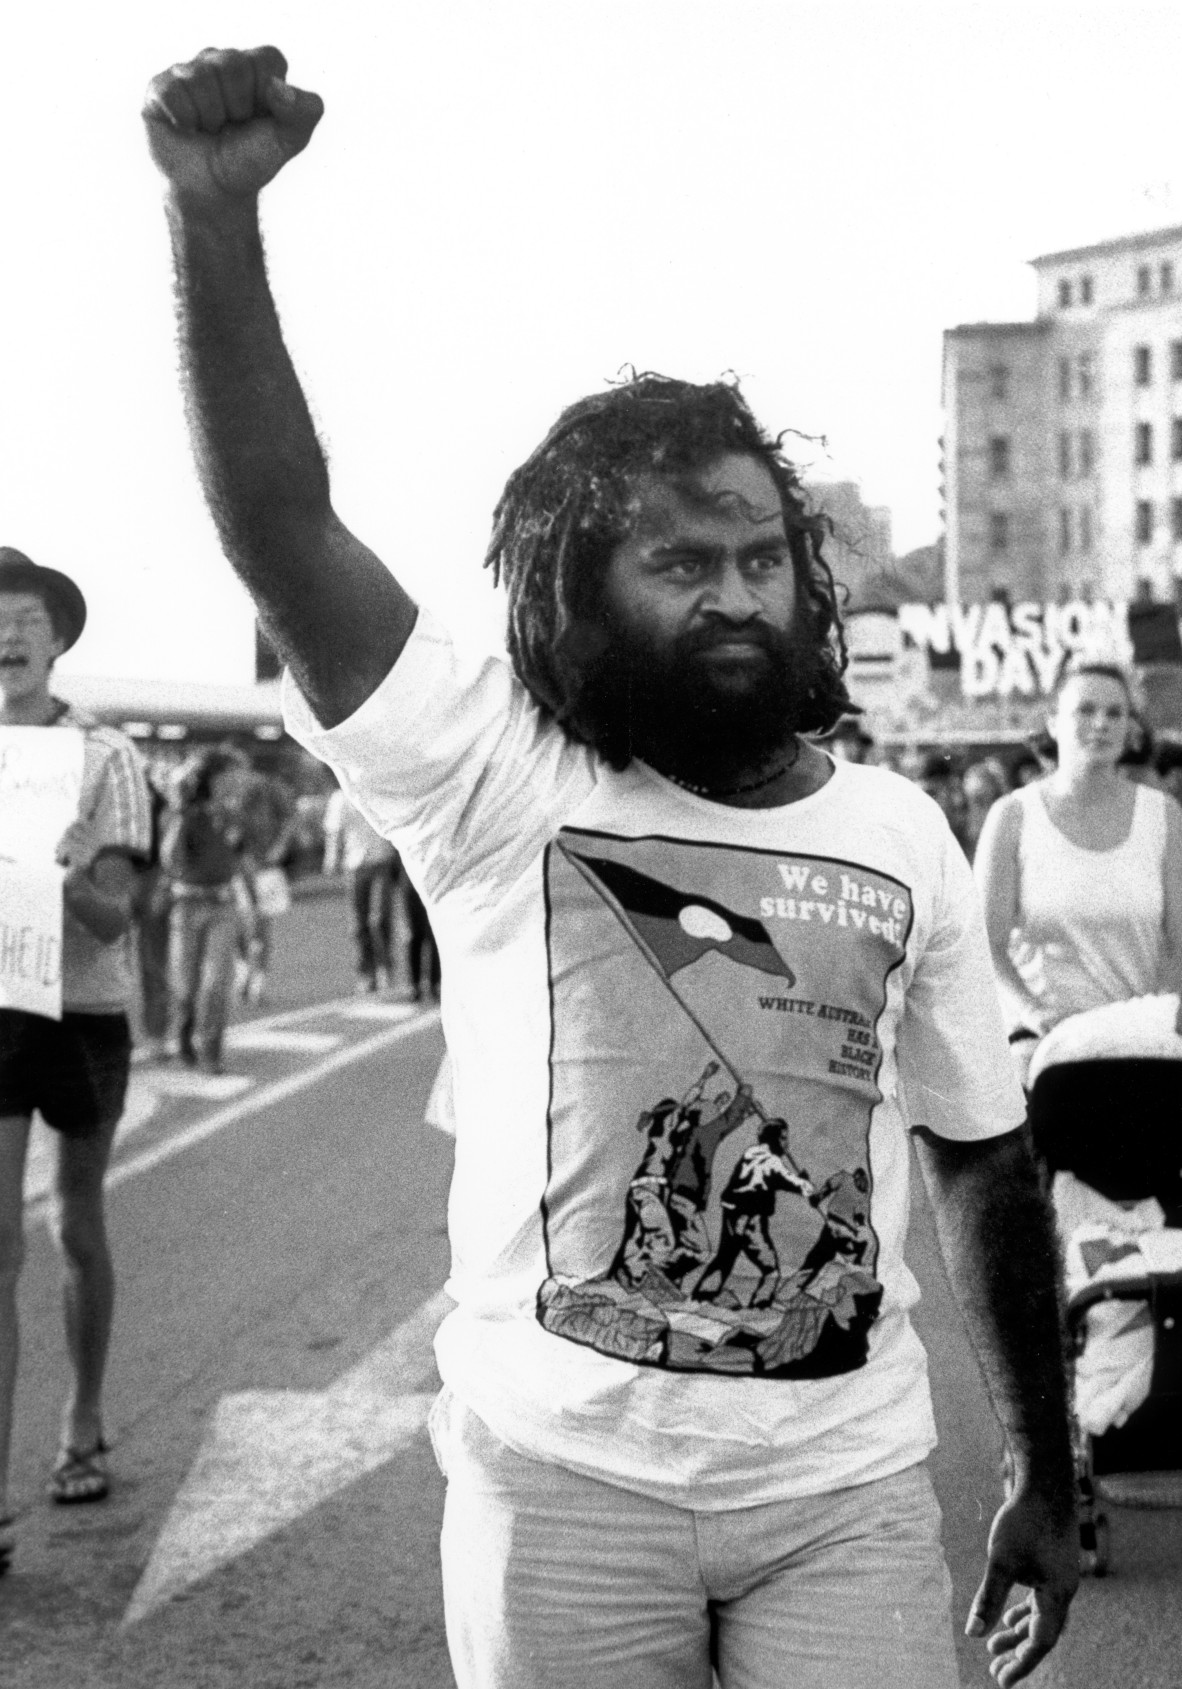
(190, 1082)
(270, 1456)
(280, 1038)
(252, 1103)
(293, 1017)
(371, 1009)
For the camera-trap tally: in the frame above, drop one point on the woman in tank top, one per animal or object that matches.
(1080, 873)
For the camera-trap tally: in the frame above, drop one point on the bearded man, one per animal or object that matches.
(636, 862)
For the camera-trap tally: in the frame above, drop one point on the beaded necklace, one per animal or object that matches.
(738, 791)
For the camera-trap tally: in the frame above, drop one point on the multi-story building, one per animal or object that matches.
(1063, 436)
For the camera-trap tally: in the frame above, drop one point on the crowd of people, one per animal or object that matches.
(231, 843)
(174, 869)
(967, 785)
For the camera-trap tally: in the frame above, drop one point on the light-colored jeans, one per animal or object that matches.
(203, 939)
(556, 1581)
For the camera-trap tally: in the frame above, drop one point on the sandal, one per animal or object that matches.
(79, 1476)
(7, 1541)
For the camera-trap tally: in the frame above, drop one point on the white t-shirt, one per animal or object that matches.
(636, 980)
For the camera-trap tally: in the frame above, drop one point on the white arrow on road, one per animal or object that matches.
(270, 1456)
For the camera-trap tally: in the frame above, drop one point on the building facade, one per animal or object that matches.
(1063, 436)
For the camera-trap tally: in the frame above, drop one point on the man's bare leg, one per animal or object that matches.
(14, 1141)
(88, 1284)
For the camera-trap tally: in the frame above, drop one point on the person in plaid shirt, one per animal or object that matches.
(73, 1071)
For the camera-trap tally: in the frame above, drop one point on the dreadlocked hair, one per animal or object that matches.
(564, 511)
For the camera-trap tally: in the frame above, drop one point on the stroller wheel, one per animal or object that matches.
(1093, 1554)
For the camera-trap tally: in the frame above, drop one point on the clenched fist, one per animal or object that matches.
(222, 125)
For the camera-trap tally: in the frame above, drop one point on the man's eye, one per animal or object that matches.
(766, 561)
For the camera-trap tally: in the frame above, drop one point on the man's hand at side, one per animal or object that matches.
(99, 886)
(223, 125)
(999, 1246)
(1033, 1545)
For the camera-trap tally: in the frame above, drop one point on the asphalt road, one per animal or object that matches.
(281, 1249)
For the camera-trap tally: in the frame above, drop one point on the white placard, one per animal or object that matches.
(40, 788)
(31, 937)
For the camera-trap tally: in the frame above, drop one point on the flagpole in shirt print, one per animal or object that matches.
(672, 928)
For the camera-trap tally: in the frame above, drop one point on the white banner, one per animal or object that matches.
(40, 790)
(40, 787)
(1017, 650)
(31, 938)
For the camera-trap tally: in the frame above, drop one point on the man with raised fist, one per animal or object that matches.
(638, 864)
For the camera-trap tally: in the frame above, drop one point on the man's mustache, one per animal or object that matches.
(755, 632)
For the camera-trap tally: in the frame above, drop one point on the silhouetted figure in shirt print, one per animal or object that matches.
(649, 1238)
(748, 1203)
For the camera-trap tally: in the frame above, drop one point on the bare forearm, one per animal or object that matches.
(1019, 1006)
(998, 1240)
(331, 608)
(260, 463)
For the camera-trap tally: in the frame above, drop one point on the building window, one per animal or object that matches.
(999, 456)
(1085, 528)
(1176, 439)
(1144, 280)
(1085, 290)
(1142, 366)
(1084, 366)
(1064, 530)
(1176, 359)
(999, 381)
(1087, 451)
(1064, 294)
(999, 530)
(1167, 277)
(1143, 443)
(1144, 521)
(1064, 455)
(1176, 518)
(1065, 378)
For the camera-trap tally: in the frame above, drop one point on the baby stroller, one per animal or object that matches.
(1106, 1116)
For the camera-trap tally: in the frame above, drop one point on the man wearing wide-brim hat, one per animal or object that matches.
(74, 1072)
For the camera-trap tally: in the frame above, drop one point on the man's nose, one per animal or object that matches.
(729, 593)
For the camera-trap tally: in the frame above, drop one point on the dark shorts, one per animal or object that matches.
(73, 1070)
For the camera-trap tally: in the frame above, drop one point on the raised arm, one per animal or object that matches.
(998, 1241)
(219, 129)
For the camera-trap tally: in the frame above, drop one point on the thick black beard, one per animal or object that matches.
(665, 704)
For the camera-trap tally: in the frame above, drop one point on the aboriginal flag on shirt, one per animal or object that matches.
(677, 927)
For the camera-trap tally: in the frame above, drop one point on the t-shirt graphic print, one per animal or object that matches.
(714, 1062)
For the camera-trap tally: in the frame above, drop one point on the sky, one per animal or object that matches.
(505, 204)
